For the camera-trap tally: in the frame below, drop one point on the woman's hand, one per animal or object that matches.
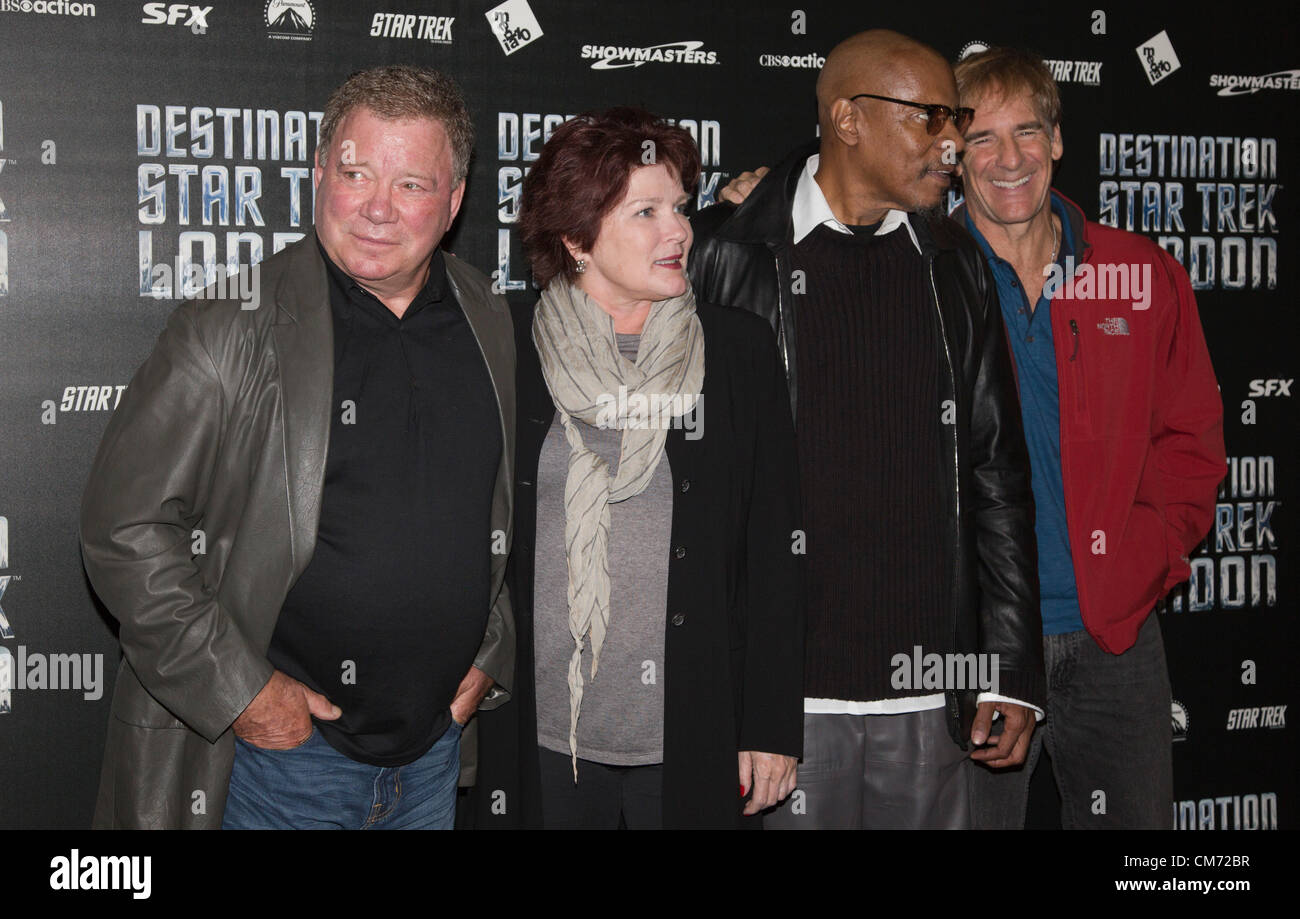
(771, 775)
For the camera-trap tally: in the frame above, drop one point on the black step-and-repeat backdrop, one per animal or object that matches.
(145, 146)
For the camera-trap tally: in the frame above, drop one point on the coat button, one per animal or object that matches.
(678, 619)
(686, 485)
(680, 552)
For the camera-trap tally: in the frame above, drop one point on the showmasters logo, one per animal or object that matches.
(290, 19)
(1233, 85)
(1157, 57)
(617, 57)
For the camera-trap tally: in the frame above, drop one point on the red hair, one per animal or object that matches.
(582, 175)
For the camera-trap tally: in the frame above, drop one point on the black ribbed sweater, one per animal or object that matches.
(871, 441)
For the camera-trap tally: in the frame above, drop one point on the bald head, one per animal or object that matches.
(885, 153)
(865, 62)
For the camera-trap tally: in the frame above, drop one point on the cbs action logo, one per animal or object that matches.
(793, 61)
(50, 7)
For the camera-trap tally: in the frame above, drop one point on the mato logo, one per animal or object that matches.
(514, 25)
(1158, 57)
(290, 19)
(616, 57)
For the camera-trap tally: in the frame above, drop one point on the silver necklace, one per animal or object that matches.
(1054, 244)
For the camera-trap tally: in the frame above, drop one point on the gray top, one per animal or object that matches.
(621, 721)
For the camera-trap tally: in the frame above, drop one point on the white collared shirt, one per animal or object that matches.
(810, 211)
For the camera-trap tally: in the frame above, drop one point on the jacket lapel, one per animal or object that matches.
(304, 345)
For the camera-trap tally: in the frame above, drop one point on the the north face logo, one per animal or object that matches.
(1115, 326)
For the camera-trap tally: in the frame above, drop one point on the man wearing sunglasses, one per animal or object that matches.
(1125, 430)
(914, 472)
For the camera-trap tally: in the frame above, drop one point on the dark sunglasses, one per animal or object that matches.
(937, 113)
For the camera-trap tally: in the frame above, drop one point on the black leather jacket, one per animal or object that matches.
(741, 257)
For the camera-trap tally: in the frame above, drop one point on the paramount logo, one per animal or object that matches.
(615, 57)
(1233, 85)
(1100, 282)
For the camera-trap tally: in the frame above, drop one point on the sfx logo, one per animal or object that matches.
(194, 18)
(1261, 388)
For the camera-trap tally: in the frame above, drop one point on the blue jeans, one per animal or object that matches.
(315, 787)
(1108, 732)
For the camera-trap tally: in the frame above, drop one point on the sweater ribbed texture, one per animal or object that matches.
(872, 445)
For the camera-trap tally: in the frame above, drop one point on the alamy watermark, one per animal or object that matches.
(190, 280)
(919, 670)
(651, 411)
(35, 670)
(1116, 281)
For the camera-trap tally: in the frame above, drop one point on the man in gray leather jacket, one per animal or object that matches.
(259, 436)
(914, 473)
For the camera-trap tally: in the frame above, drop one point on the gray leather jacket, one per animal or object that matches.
(224, 429)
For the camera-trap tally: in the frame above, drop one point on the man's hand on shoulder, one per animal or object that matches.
(739, 188)
(279, 717)
(1013, 743)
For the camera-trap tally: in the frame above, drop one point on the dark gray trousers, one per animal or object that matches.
(1108, 732)
(878, 772)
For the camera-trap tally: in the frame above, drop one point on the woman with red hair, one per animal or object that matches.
(655, 574)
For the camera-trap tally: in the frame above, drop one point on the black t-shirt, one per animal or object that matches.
(389, 614)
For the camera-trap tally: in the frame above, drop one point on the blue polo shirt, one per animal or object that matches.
(1030, 334)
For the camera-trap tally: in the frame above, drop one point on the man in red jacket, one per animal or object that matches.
(1124, 425)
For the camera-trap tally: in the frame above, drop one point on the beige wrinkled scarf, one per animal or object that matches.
(584, 372)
